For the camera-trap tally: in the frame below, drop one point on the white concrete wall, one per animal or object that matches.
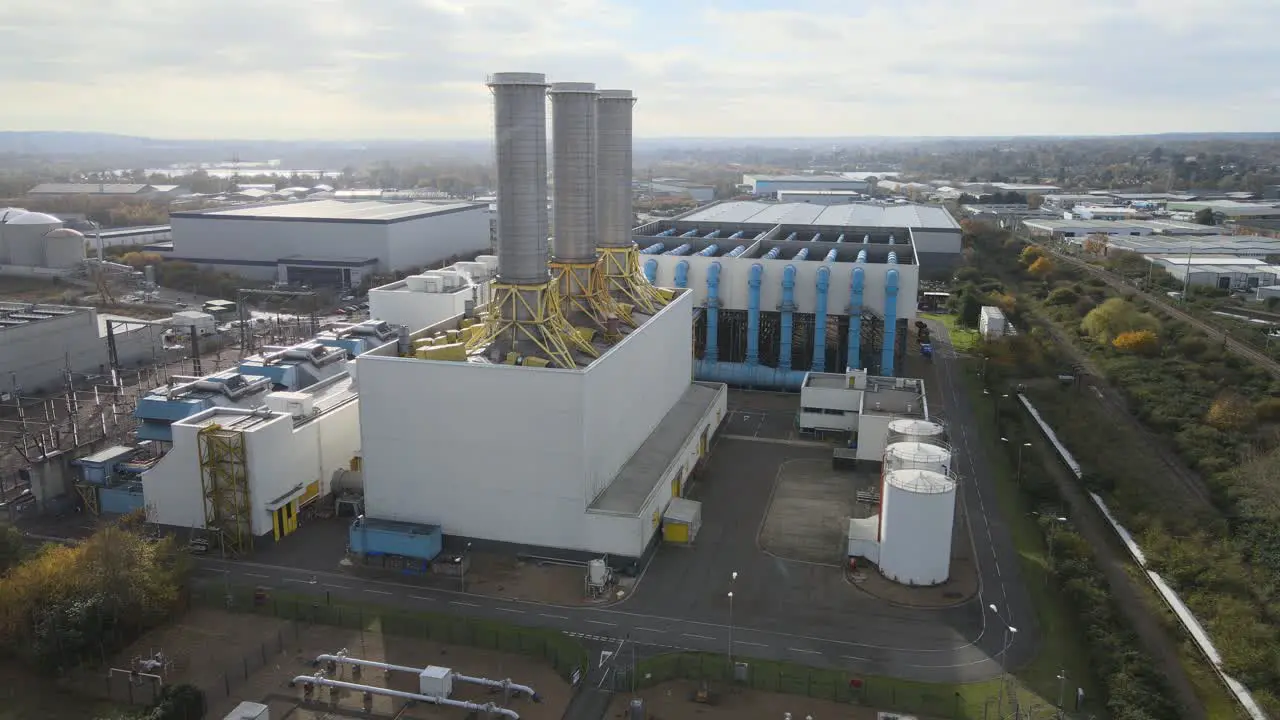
(232, 238)
(487, 451)
(172, 489)
(735, 274)
(873, 431)
(338, 439)
(936, 242)
(433, 239)
(36, 355)
(417, 310)
(820, 398)
(630, 390)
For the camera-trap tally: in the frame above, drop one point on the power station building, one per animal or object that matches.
(39, 344)
(329, 242)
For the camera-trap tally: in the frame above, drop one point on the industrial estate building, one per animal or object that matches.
(771, 184)
(1224, 273)
(328, 242)
(1079, 229)
(33, 243)
(40, 344)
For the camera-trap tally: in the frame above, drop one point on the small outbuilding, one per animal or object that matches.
(681, 521)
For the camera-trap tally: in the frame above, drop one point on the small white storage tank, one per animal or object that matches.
(24, 236)
(914, 455)
(917, 516)
(912, 429)
(597, 572)
(436, 681)
(63, 248)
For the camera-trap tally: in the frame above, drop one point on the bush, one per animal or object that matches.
(1139, 342)
(1116, 317)
(1062, 296)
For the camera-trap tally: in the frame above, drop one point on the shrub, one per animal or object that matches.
(1139, 342)
(1041, 268)
(1115, 317)
(1062, 296)
(1230, 411)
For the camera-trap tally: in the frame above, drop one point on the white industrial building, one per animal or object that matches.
(861, 405)
(434, 295)
(992, 324)
(1238, 246)
(1224, 273)
(39, 344)
(820, 197)
(1105, 212)
(37, 244)
(328, 242)
(771, 184)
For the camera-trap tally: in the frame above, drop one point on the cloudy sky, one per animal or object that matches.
(337, 69)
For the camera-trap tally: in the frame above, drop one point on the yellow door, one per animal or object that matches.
(702, 443)
(277, 523)
(675, 532)
(675, 484)
(290, 517)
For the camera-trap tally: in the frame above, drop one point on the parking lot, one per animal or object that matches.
(771, 416)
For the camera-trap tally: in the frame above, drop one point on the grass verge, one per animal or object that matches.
(1061, 645)
(963, 339)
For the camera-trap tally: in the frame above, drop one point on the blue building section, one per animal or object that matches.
(98, 468)
(371, 537)
(122, 499)
(166, 405)
(110, 479)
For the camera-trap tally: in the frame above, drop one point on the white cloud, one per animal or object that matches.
(416, 68)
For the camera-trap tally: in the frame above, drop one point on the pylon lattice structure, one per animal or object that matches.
(532, 315)
(619, 269)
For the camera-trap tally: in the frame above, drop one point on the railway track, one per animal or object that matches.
(1234, 346)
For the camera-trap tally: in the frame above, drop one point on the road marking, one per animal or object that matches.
(421, 597)
(747, 642)
(602, 622)
(997, 569)
(553, 617)
(855, 657)
(339, 587)
(249, 574)
(807, 652)
(510, 610)
(459, 602)
(650, 630)
(308, 582)
(377, 592)
(699, 637)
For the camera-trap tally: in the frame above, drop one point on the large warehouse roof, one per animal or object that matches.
(334, 211)
(924, 217)
(1210, 245)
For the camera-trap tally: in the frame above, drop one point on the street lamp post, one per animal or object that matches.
(733, 577)
(1009, 630)
(1062, 687)
(1021, 447)
(462, 567)
(1054, 518)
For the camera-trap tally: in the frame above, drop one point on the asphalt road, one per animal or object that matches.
(773, 618)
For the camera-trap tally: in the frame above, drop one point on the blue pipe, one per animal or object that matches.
(817, 237)
(680, 250)
(890, 317)
(786, 307)
(841, 238)
(820, 321)
(737, 251)
(862, 256)
(856, 281)
(762, 234)
(682, 274)
(753, 314)
(752, 376)
(691, 233)
(709, 251)
(866, 239)
(792, 236)
(712, 234)
(666, 233)
(711, 353)
(773, 254)
(737, 235)
(804, 253)
(831, 256)
(653, 249)
(890, 238)
(651, 271)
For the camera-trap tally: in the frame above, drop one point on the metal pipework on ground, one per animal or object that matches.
(890, 318)
(507, 685)
(682, 274)
(738, 374)
(786, 307)
(856, 280)
(820, 320)
(737, 251)
(802, 255)
(489, 708)
(679, 250)
(653, 249)
(709, 251)
(711, 353)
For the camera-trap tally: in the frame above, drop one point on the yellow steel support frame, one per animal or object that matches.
(591, 297)
(89, 494)
(532, 313)
(620, 271)
(224, 476)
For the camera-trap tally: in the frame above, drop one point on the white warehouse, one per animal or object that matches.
(328, 242)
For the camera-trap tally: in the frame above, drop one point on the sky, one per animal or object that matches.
(415, 69)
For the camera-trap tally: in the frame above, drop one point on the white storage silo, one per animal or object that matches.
(917, 516)
(63, 248)
(912, 429)
(24, 236)
(916, 455)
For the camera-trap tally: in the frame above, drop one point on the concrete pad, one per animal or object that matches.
(808, 515)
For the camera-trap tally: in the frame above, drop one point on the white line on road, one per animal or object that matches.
(997, 569)
(510, 610)
(256, 575)
(699, 637)
(308, 582)
(650, 629)
(807, 652)
(339, 587)
(553, 617)
(459, 602)
(602, 622)
(421, 597)
(377, 592)
(747, 642)
(855, 657)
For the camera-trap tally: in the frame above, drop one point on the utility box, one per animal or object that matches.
(436, 681)
(249, 711)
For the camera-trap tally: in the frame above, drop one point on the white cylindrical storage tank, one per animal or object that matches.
(63, 248)
(917, 456)
(24, 236)
(917, 517)
(912, 429)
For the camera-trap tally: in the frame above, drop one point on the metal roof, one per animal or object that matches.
(88, 189)
(1205, 245)
(806, 178)
(334, 210)
(922, 217)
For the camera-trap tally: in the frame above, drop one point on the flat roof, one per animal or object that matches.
(807, 178)
(373, 211)
(15, 314)
(831, 193)
(1211, 260)
(923, 217)
(1202, 245)
(635, 482)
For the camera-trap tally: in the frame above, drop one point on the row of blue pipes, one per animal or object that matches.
(751, 373)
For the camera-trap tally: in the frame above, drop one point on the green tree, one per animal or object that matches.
(970, 310)
(1114, 317)
(1204, 216)
(10, 548)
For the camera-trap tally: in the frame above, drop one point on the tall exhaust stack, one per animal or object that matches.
(573, 159)
(524, 315)
(619, 257)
